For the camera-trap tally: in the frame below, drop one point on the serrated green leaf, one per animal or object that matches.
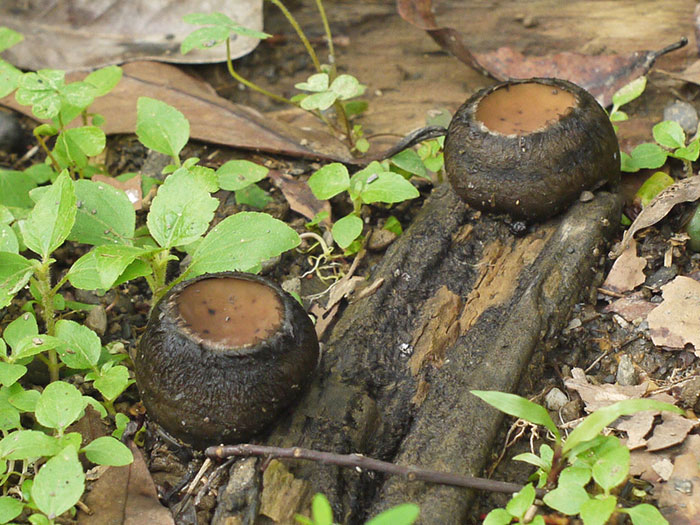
(14, 189)
(181, 211)
(108, 451)
(113, 382)
(329, 181)
(237, 174)
(28, 444)
(100, 268)
(629, 92)
(60, 405)
(518, 407)
(52, 218)
(346, 230)
(41, 91)
(597, 511)
(59, 483)
(161, 127)
(241, 242)
(82, 345)
(403, 514)
(104, 215)
(669, 134)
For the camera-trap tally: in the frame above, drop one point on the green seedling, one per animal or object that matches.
(582, 470)
(322, 514)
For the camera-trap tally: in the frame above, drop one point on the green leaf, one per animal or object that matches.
(15, 272)
(598, 420)
(689, 153)
(8, 38)
(393, 225)
(522, 501)
(10, 508)
(355, 107)
(75, 145)
(161, 127)
(253, 196)
(653, 186)
(329, 181)
(28, 444)
(241, 242)
(575, 475)
(78, 94)
(41, 91)
(648, 156)
(113, 382)
(41, 173)
(120, 422)
(347, 86)
(104, 80)
(35, 344)
(597, 511)
(10, 373)
(105, 214)
(320, 101)
(532, 459)
(207, 37)
(669, 134)
(237, 174)
(204, 38)
(38, 519)
(14, 189)
(518, 407)
(612, 464)
(618, 116)
(409, 161)
(83, 346)
(567, 499)
(24, 326)
(321, 511)
(181, 211)
(9, 78)
(316, 83)
(25, 401)
(627, 164)
(388, 187)
(346, 230)
(108, 451)
(60, 405)
(206, 177)
(629, 92)
(692, 229)
(59, 483)
(645, 514)
(100, 268)
(403, 514)
(498, 517)
(52, 218)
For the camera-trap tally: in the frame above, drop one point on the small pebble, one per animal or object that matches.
(97, 320)
(380, 239)
(586, 196)
(683, 113)
(626, 373)
(555, 399)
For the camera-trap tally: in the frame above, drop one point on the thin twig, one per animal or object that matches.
(358, 461)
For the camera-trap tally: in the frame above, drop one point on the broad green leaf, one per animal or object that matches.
(612, 464)
(206, 177)
(113, 382)
(346, 230)
(108, 451)
(59, 483)
(618, 116)
(14, 189)
(575, 475)
(181, 211)
(8, 239)
(75, 145)
(161, 127)
(409, 161)
(120, 422)
(52, 218)
(518, 407)
(329, 181)
(316, 83)
(360, 179)
(60, 405)
(9, 78)
(388, 187)
(320, 101)
(78, 94)
(35, 344)
(15, 272)
(669, 134)
(24, 326)
(347, 86)
(41, 91)
(10, 508)
(222, 27)
(8, 38)
(690, 153)
(105, 214)
(648, 156)
(393, 225)
(627, 164)
(521, 502)
(41, 173)
(241, 242)
(204, 38)
(28, 444)
(567, 499)
(135, 270)
(321, 510)
(597, 511)
(498, 517)
(38, 519)
(104, 79)
(101, 267)
(403, 514)
(629, 92)
(10, 373)
(237, 174)
(653, 186)
(598, 420)
(83, 346)
(645, 514)
(253, 196)
(25, 401)
(532, 459)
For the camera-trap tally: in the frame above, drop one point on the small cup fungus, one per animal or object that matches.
(222, 356)
(530, 147)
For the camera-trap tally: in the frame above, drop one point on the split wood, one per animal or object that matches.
(358, 461)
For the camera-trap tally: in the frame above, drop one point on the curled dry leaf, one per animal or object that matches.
(66, 35)
(672, 431)
(599, 396)
(685, 190)
(627, 272)
(676, 321)
(299, 196)
(631, 307)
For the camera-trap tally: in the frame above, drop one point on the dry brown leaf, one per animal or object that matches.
(601, 75)
(684, 190)
(631, 307)
(672, 431)
(676, 321)
(70, 35)
(299, 196)
(599, 396)
(131, 187)
(637, 426)
(125, 496)
(627, 272)
(212, 118)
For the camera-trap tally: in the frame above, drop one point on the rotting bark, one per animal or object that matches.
(463, 305)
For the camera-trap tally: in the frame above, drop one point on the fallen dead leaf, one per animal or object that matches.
(599, 396)
(212, 118)
(299, 196)
(637, 427)
(627, 272)
(676, 321)
(631, 307)
(601, 75)
(125, 496)
(672, 431)
(64, 35)
(131, 187)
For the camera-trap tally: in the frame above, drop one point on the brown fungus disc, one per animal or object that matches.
(222, 356)
(530, 147)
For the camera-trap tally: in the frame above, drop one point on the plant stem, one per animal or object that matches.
(42, 143)
(300, 33)
(248, 83)
(46, 294)
(159, 263)
(329, 36)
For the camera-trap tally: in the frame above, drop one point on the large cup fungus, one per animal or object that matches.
(529, 147)
(222, 356)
